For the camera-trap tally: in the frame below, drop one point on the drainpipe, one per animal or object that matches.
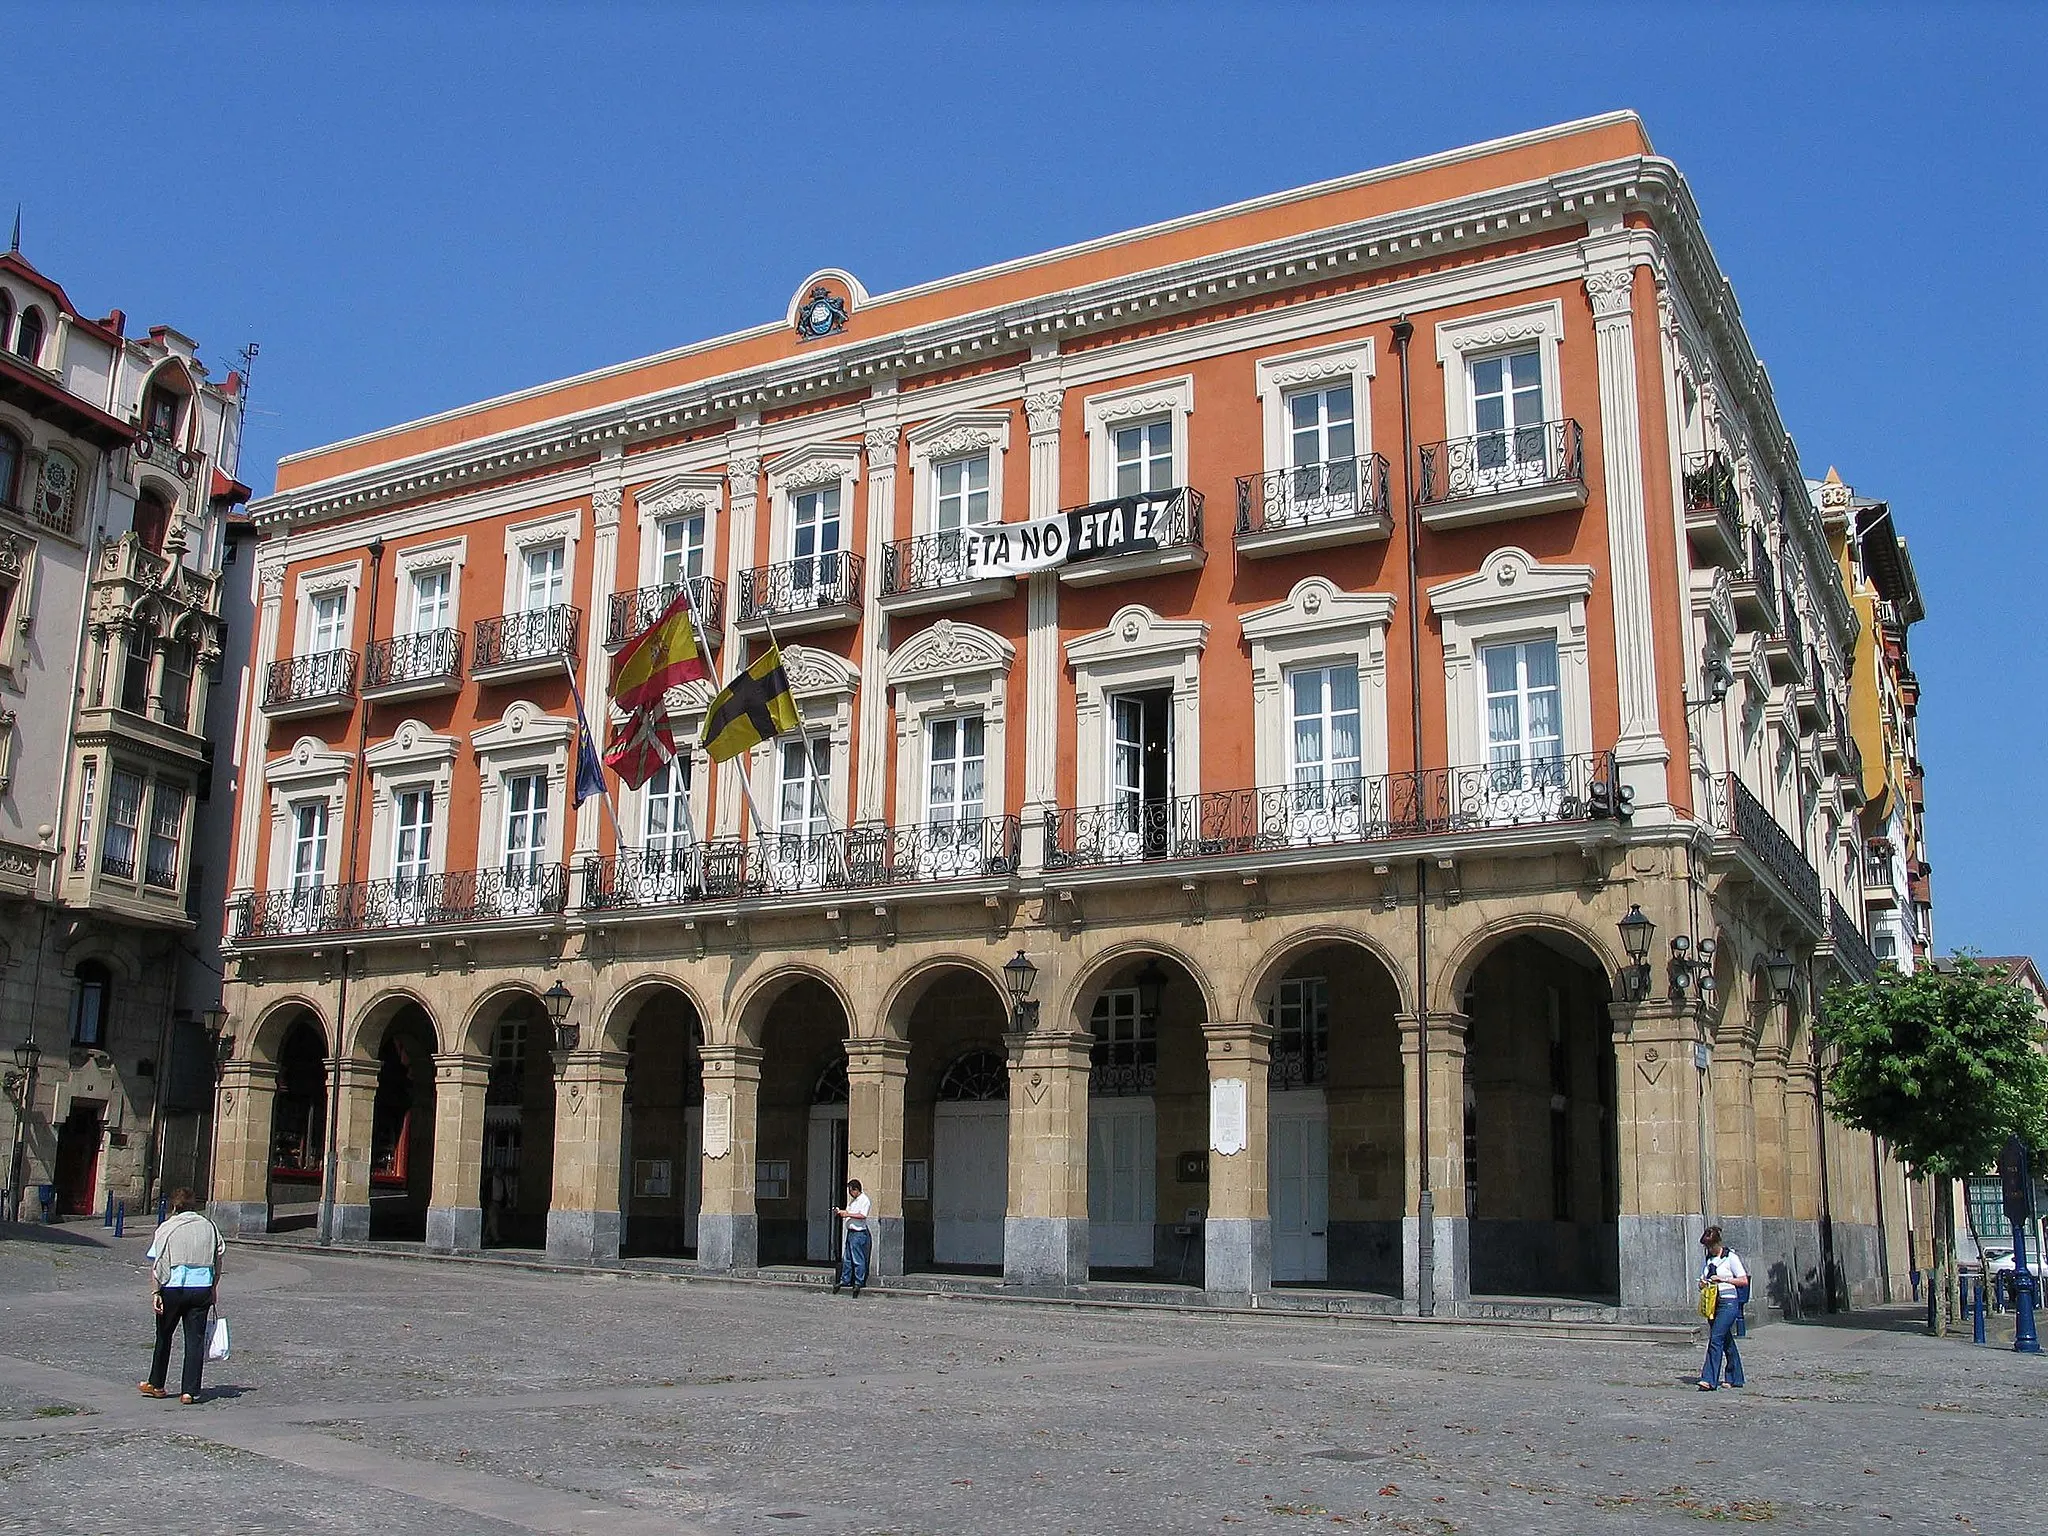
(1425, 1205)
(330, 1174)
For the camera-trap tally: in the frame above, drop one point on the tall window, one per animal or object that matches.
(432, 606)
(526, 826)
(91, 994)
(28, 341)
(800, 804)
(329, 628)
(124, 818)
(412, 850)
(135, 645)
(160, 413)
(177, 684)
(1125, 1058)
(814, 537)
(10, 466)
(1325, 743)
(1524, 725)
(665, 819)
(309, 848)
(954, 775)
(152, 520)
(546, 577)
(88, 785)
(1322, 453)
(166, 835)
(962, 494)
(1144, 458)
(1507, 408)
(1301, 1032)
(682, 550)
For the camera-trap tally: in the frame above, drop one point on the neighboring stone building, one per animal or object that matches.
(117, 489)
(1333, 985)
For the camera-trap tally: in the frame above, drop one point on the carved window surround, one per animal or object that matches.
(1102, 414)
(563, 528)
(824, 685)
(807, 469)
(1461, 342)
(1137, 650)
(18, 582)
(673, 497)
(1513, 597)
(451, 553)
(309, 772)
(413, 758)
(525, 740)
(949, 669)
(1348, 362)
(1318, 626)
(346, 578)
(958, 436)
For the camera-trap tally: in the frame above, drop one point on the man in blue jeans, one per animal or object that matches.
(1724, 1271)
(853, 1253)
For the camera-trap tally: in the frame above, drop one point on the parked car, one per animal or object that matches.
(2004, 1272)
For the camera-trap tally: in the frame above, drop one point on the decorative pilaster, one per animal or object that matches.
(238, 1196)
(590, 1109)
(728, 1229)
(352, 1143)
(875, 1073)
(270, 586)
(1451, 1226)
(1733, 1145)
(1045, 1229)
(605, 500)
(1042, 408)
(1661, 1131)
(455, 1215)
(743, 491)
(871, 783)
(1237, 1238)
(1640, 753)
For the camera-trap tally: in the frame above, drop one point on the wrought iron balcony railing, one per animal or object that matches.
(1713, 505)
(1120, 1079)
(1241, 822)
(1771, 845)
(925, 563)
(1516, 459)
(433, 656)
(802, 585)
(1852, 951)
(632, 612)
(160, 876)
(866, 857)
(1761, 571)
(539, 634)
(499, 894)
(1336, 491)
(120, 865)
(1174, 518)
(320, 678)
(1877, 869)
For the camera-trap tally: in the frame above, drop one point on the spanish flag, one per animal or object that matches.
(662, 656)
(754, 707)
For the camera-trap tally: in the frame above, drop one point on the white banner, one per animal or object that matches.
(1120, 527)
(1014, 549)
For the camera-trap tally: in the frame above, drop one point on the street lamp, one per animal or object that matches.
(1779, 964)
(1019, 976)
(558, 998)
(1151, 989)
(21, 1088)
(216, 1019)
(1636, 933)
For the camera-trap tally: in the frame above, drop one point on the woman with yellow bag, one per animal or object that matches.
(1724, 1287)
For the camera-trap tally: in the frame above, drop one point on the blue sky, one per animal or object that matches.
(411, 208)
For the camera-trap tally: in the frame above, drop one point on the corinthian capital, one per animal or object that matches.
(1043, 410)
(1610, 292)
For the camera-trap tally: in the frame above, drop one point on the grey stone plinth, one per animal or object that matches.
(455, 1228)
(1042, 1252)
(240, 1218)
(885, 1256)
(583, 1237)
(1237, 1256)
(1660, 1265)
(1451, 1262)
(728, 1242)
(352, 1223)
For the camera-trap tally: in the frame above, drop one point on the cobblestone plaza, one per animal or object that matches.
(480, 1398)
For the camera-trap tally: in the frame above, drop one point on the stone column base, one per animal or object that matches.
(885, 1253)
(1237, 1256)
(351, 1223)
(455, 1228)
(583, 1237)
(1660, 1262)
(1452, 1270)
(1045, 1251)
(728, 1241)
(239, 1218)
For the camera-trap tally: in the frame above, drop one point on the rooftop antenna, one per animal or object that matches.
(15, 249)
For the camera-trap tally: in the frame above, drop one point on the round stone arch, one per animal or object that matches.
(908, 989)
(262, 1042)
(1080, 994)
(742, 1025)
(486, 1011)
(95, 949)
(619, 1011)
(1769, 1022)
(1454, 975)
(1273, 965)
(365, 1034)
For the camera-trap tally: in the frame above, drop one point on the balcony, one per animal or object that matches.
(931, 572)
(1754, 588)
(414, 666)
(1173, 520)
(632, 612)
(1851, 951)
(809, 592)
(425, 901)
(870, 857)
(530, 644)
(1313, 506)
(1242, 823)
(1770, 847)
(310, 685)
(1713, 510)
(1879, 873)
(1785, 649)
(1521, 472)
(158, 447)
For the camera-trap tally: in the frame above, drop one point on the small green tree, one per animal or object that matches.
(1944, 1065)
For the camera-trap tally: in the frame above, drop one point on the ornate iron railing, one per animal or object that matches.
(539, 634)
(830, 580)
(1845, 739)
(121, 867)
(1239, 822)
(422, 658)
(1761, 572)
(1793, 633)
(1175, 518)
(1334, 491)
(306, 679)
(925, 563)
(866, 857)
(1515, 459)
(1877, 867)
(1770, 844)
(1710, 487)
(1852, 951)
(498, 894)
(632, 612)
(1120, 1079)
(1302, 1068)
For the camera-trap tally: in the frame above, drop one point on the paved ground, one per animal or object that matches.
(382, 1395)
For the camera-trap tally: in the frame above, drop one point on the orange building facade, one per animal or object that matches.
(1483, 610)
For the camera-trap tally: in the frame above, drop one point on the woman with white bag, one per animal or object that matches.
(185, 1264)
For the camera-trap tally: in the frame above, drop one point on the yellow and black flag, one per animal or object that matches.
(754, 707)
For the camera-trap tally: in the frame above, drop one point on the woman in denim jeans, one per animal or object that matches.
(1723, 1269)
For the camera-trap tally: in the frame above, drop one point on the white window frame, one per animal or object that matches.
(412, 757)
(808, 469)
(422, 830)
(681, 832)
(950, 668)
(346, 579)
(1461, 342)
(549, 562)
(958, 761)
(310, 770)
(181, 838)
(1319, 625)
(947, 439)
(812, 784)
(564, 528)
(304, 813)
(538, 818)
(524, 740)
(687, 706)
(665, 501)
(1102, 414)
(1350, 362)
(1524, 692)
(824, 685)
(1137, 651)
(1513, 597)
(136, 829)
(449, 554)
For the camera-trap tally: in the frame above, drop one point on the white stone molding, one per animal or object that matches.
(564, 528)
(453, 553)
(413, 757)
(1459, 343)
(824, 684)
(1137, 650)
(879, 439)
(525, 739)
(676, 496)
(1512, 597)
(605, 501)
(310, 771)
(808, 468)
(1043, 410)
(949, 669)
(1103, 413)
(960, 435)
(18, 566)
(1319, 625)
(1346, 362)
(347, 578)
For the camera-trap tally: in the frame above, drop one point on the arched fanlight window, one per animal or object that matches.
(831, 1085)
(28, 341)
(980, 1076)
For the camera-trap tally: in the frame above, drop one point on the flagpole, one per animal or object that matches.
(583, 725)
(823, 800)
(704, 651)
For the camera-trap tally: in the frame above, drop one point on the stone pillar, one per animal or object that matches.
(352, 1144)
(1767, 1087)
(606, 497)
(1802, 1141)
(728, 1230)
(1451, 1227)
(255, 729)
(743, 489)
(1640, 754)
(875, 1073)
(1734, 1184)
(455, 1215)
(1660, 1110)
(240, 1185)
(1045, 1229)
(1237, 1238)
(590, 1120)
(1042, 637)
(871, 782)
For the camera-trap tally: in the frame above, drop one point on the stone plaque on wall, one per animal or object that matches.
(1227, 1116)
(717, 1124)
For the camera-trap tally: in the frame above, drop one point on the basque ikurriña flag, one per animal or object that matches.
(640, 744)
(663, 655)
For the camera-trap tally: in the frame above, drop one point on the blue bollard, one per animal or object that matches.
(163, 1207)
(2025, 1340)
(1916, 1285)
(108, 1219)
(1977, 1312)
(120, 1217)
